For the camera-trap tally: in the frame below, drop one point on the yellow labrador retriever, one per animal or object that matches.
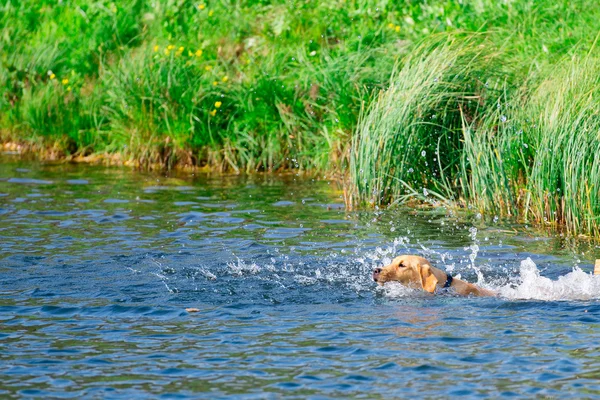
(417, 272)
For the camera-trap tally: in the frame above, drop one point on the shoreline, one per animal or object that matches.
(26, 152)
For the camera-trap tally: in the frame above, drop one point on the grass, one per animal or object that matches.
(480, 103)
(144, 79)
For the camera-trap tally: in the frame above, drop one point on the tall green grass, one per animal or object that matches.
(530, 151)
(563, 135)
(542, 163)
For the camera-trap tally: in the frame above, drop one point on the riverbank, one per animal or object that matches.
(477, 104)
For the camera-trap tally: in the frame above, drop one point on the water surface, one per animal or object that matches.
(97, 267)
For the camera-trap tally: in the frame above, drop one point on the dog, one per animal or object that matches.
(416, 272)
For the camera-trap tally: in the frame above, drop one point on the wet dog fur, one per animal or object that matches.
(416, 272)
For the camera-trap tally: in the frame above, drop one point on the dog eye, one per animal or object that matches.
(401, 265)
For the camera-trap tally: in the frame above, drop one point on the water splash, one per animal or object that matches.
(576, 285)
(346, 274)
(395, 290)
(242, 268)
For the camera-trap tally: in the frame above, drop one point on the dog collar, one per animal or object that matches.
(449, 280)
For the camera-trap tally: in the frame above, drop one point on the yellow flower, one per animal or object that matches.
(65, 81)
(170, 47)
(397, 28)
(225, 78)
(213, 113)
(198, 53)
(391, 26)
(52, 76)
(180, 49)
(218, 104)
(201, 6)
(210, 13)
(215, 83)
(208, 67)
(156, 48)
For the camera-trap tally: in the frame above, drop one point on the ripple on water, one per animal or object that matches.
(29, 181)
(77, 181)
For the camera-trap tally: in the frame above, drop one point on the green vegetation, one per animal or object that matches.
(488, 104)
(236, 85)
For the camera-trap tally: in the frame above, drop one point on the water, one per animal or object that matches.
(98, 265)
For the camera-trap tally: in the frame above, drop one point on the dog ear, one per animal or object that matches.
(428, 279)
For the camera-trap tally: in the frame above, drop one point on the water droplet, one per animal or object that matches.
(502, 118)
(423, 153)
(473, 232)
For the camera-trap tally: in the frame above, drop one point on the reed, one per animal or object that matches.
(563, 182)
(537, 155)
(409, 140)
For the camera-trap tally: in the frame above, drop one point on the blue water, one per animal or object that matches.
(98, 266)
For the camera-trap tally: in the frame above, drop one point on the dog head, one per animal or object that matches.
(411, 271)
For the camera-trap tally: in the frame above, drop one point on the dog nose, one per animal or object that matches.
(376, 273)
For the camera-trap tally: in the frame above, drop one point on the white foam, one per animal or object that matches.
(397, 290)
(576, 285)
